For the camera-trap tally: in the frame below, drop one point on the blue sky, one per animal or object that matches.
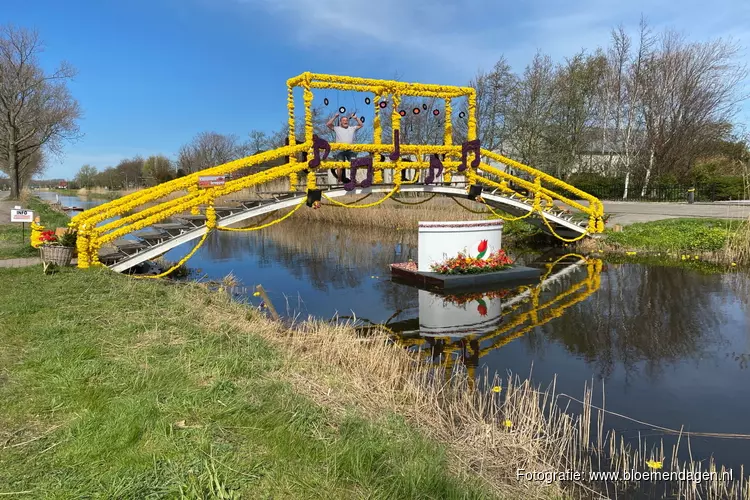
(152, 74)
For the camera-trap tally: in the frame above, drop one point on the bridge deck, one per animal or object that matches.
(183, 228)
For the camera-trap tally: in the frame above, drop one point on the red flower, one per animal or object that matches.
(482, 309)
(48, 236)
(482, 246)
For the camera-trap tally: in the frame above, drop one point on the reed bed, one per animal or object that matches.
(392, 214)
(737, 248)
(491, 434)
(350, 249)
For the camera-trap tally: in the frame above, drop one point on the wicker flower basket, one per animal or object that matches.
(53, 254)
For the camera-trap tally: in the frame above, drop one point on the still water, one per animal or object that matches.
(669, 346)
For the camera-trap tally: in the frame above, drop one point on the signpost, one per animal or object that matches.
(208, 181)
(18, 214)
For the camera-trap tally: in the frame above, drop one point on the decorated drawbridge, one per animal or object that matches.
(138, 227)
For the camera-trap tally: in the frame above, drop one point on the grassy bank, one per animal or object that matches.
(721, 241)
(113, 387)
(14, 243)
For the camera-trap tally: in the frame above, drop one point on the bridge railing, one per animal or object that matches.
(151, 206)
(547, 186)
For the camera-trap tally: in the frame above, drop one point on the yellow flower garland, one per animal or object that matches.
(36, 233)
(308, 97)
(290, 123)
(448, 134)
(263, 226)
(377, 135)
(368, 205)
(472, 123)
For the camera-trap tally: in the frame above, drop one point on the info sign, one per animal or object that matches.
(208, 181)
(19, 214)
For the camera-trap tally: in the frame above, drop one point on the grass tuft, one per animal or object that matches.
(674, 235)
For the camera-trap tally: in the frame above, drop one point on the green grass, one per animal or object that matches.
(111, 388)
(15, 242)
(675, 235)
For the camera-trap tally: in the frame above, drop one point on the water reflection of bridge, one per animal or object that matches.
(465, 334)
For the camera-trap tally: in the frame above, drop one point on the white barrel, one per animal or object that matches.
(439, 241)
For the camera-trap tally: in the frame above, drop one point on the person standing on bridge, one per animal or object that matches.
(345, 134)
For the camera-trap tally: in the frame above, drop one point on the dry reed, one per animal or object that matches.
(391, 214)
(489, 435)
(737, 249)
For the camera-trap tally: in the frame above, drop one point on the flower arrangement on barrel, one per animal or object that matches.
(464, 264)
(57, 249)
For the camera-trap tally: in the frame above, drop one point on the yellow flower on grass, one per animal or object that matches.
(497, 388)
(684, 257)
(256, 294)
(507, 423)
(734, 264)
(653, 464)
(629, 253)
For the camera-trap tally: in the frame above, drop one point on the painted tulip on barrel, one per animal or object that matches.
(482, 308)
(482, 249)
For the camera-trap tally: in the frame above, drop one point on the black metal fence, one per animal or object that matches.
(653, 193)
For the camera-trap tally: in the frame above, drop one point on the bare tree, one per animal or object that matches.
(625, 111)
(158, 169)
(494, 91)
(209, 149)
(529, 114)
(575, 102)
(690, 88)
(259, 141)
(36, 109)
(86, 176)
(131, 171)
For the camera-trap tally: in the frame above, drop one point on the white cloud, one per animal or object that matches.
(414, 30)
(469, 34)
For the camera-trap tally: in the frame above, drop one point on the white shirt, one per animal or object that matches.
(345, 135)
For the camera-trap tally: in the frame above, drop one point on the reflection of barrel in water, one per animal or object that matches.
(523, 310)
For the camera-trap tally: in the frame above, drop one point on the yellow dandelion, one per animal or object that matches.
(497, 388)
(697, 257)
(507, 423)
(629, 253)
(684, 257)
(734, 263)
(653, 464)
(256, 294)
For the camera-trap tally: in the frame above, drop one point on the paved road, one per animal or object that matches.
(25, 262)
(628, 212)
(5, 207)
